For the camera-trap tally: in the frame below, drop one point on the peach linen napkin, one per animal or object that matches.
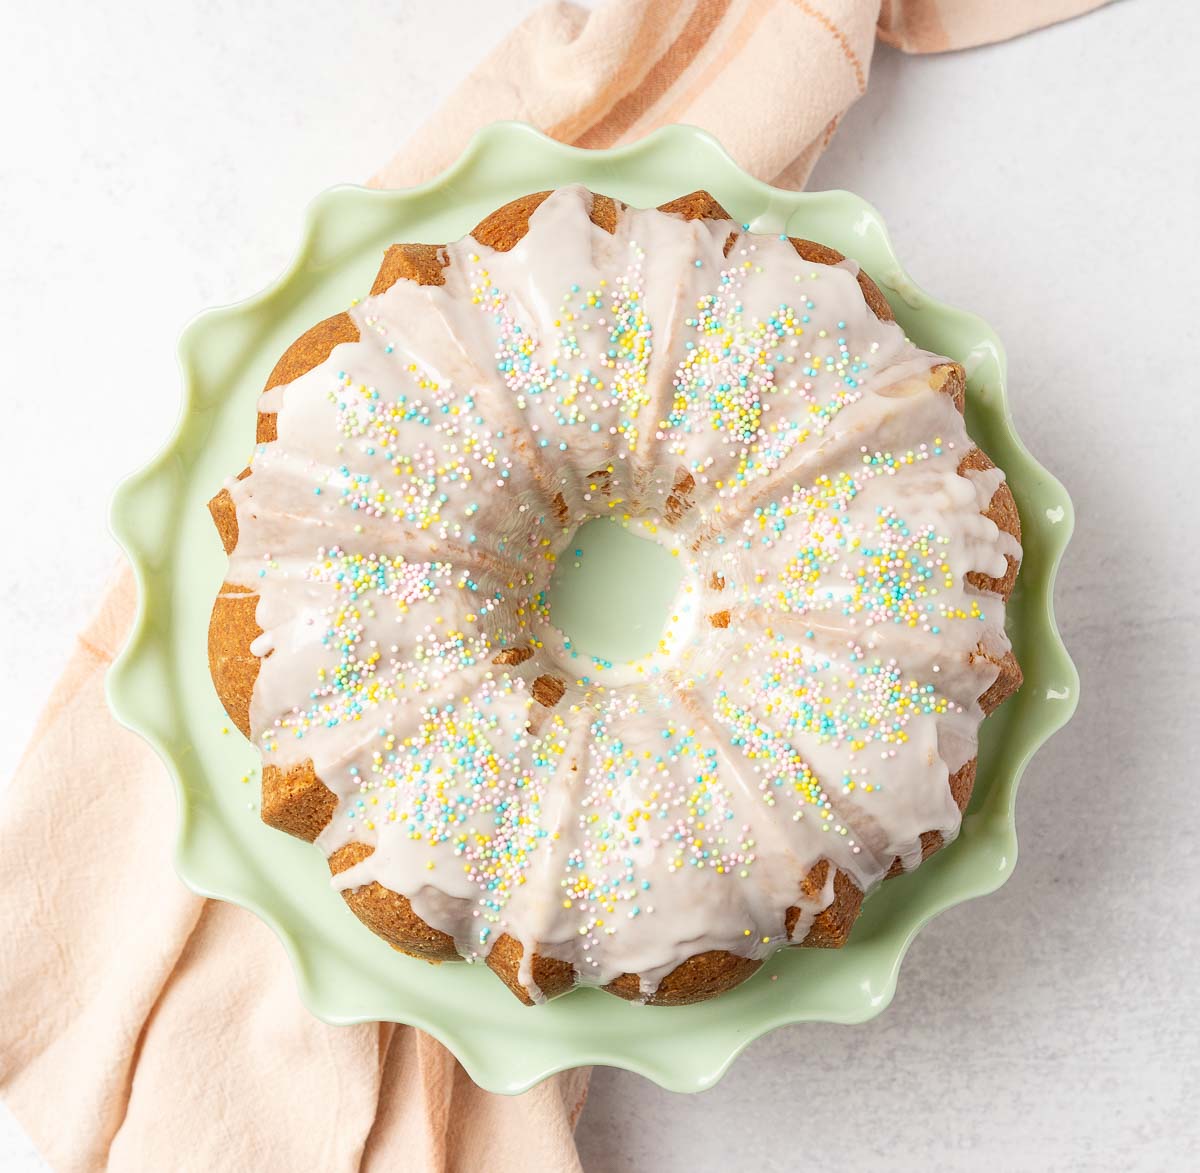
(147, 1028)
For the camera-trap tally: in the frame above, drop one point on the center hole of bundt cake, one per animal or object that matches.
(612, 591)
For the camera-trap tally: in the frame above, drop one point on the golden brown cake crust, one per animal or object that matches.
(1002, 509)
(298, 802)
(550, 976)
(234, 669)
(311, 349)
(389, 914)
(700, 977)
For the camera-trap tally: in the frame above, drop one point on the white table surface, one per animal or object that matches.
(157, 160)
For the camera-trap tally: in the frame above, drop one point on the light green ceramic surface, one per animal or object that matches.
(612, 590)
(160, 685)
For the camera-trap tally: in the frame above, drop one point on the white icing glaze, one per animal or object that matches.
(402, 531)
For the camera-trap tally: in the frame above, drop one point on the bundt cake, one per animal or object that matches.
(806, 724)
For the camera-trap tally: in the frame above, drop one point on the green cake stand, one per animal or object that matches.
(160, 685)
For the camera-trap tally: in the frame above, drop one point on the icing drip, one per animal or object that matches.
(815, 688)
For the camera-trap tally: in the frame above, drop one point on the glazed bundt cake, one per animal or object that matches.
(806, 725)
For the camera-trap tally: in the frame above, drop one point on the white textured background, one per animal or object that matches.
(156, 159)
